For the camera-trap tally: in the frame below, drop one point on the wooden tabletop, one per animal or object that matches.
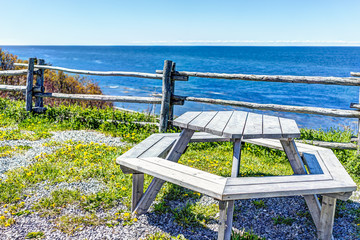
(239, 124)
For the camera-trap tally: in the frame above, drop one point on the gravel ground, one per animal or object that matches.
(247, 215)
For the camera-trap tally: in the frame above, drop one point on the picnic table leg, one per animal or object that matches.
(298, 167)
(234, 173)
(222, 220)
(137, 189)
(156, 184)
(327, 218)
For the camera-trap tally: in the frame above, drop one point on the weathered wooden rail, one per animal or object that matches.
(168, 99)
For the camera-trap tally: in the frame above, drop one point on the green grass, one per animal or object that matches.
(9, 151)
(35, 235)
(282, 220)
(80, 162)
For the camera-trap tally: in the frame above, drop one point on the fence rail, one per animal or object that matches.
(345, 81)
(103, 73)
(168, 99)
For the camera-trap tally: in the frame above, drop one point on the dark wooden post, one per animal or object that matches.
(172, 90)
(39, 104)
(166, 96)
(29, 84)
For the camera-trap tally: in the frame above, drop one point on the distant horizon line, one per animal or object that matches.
(166, 45)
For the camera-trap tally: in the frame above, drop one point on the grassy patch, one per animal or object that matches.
(282, 220)
(35, 235)
(259, 203)
(164, 236)
(70, 223)
(9, 151)
(217, 159)
(243, 235)
(195, 215)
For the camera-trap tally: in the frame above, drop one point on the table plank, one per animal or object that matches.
(271, 127)
(235, 126)
(289, 128)
(184, 119)
(199, 123)
(218, 123)
(253, 126)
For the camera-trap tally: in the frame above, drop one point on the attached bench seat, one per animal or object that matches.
(316, 171)
(158, 145)
(223, 188)
(326, 175)
(191, 178)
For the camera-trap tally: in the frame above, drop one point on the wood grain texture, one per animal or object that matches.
(29, 84)
(184, 120)
(275, 107)
(271, 127)
(289, 128)
(7, 73)
(293, 156)
(108, 98)
(178, 174)
(253, 126)
(202, 120)
(166, 97)
(12, 88)
(345, 81)
(327, 218)
(235, 170)
(217, 124)
(222, 220)
(96, 73)
(235, 125)
(137, 189)
(39, 103)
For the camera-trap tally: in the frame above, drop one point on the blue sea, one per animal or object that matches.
(305, 61)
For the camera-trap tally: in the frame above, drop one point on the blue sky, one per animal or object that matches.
(152, 22)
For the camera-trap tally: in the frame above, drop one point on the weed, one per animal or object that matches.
(9, 151)
(70, 223)
(164, 236)
(35, 235)
(259, 203)
(243, 235)
(282, 220)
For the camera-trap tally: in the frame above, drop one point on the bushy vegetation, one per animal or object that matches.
(54, 81)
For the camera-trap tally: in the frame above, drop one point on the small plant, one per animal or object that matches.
(195, 215)
(243, 235)
(161, 207)
(164, 236)
(259, 203)
(9, 151)
(282, 220)
(35, 235)
(6, 221)
(70, 223)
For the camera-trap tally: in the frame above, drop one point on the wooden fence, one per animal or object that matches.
(168, 99)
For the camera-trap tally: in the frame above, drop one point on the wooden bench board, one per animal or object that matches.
(196, 180)
(284, 189)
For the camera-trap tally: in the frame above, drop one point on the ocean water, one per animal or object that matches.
(305, 61)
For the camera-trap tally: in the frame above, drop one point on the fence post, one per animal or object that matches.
(172, 90)
(39, 103)
(29, 84)
(166, 96)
